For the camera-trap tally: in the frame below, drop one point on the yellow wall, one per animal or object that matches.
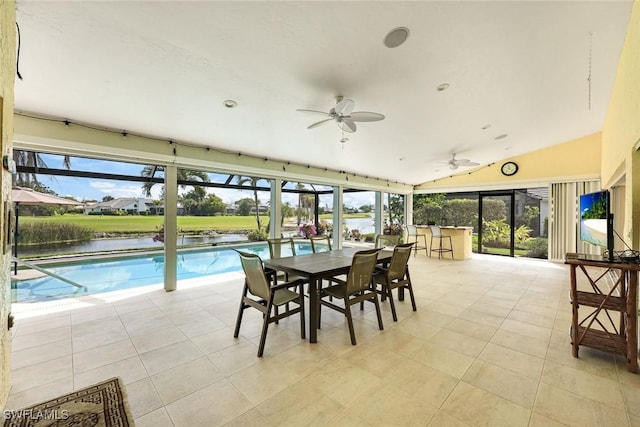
(574, 160)
(7, 72)
(621, 129)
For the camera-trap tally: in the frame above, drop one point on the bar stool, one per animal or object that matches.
(436, 233)
(412, 232)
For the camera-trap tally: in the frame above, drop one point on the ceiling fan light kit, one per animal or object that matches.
(344, 116)
(456, 163)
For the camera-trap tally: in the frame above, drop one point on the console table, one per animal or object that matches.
(598, 328)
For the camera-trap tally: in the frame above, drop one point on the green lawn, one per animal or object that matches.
(149, 224)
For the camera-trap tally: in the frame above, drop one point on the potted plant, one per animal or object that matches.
(308, 230)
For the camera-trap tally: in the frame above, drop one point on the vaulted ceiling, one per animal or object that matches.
(518, 76)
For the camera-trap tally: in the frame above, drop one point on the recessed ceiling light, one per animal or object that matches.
(230, 103)
(442, 87)
(396, 37)
(485, 127)
(504, 135)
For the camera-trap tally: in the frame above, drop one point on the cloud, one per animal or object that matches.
(102, 185)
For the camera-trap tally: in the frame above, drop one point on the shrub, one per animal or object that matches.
(256, 235)
(50, 232)
(537, 248)
(393, 229)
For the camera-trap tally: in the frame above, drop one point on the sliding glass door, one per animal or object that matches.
(496, 227)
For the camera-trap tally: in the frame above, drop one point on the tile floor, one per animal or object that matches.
(488, 346)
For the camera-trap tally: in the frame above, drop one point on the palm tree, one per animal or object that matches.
(254, 183)
(183, 175)
(34, 160)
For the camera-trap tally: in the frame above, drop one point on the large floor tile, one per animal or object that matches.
(211, 406)
(478, 407)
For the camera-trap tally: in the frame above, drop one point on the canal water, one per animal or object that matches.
(365, 225)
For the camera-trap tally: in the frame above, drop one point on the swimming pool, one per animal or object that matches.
(111, 274)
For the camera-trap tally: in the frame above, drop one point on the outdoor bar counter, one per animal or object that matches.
(460, 239)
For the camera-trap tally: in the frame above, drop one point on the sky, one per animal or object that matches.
(83, 189)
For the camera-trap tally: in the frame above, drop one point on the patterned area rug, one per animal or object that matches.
(102, 405)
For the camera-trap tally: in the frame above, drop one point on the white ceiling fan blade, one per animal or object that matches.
(344, 107)
(316, 124)
(366, 116)
(466, 162)
(314, 111)
(347, 125)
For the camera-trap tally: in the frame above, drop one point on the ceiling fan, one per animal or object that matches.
(343, 115)
(455, 163)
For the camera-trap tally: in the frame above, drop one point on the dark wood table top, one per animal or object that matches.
(321, 264)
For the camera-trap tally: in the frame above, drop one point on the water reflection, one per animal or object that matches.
(365, 225)
(122, 244)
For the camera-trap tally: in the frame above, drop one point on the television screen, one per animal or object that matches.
(594, 218)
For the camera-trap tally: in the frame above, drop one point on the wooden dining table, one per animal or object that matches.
(318, 266)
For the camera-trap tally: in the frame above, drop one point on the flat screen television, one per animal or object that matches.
(596, 221)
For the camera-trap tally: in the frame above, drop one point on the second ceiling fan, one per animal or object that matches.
(344, 115)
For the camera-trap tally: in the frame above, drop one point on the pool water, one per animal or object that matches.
(111, 274)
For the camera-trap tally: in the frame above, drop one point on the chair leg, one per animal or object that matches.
(240, 311)
(265, 328)
(239, 320)
(302, 323)
(378, 311)
(410, 287)
(350, 322)
(391, 303)
(319, 309)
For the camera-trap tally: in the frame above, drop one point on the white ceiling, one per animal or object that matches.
(165, 68)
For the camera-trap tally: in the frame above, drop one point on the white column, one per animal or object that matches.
(408, 214)
(170, 227)
(275, 216)
(337, 218)
(408, 208)
(379, 212)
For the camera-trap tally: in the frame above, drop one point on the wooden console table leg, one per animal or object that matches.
(574, 310)
(632, 323)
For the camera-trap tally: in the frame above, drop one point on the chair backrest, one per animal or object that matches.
(412, 230)
(282, 247)
(320, 243)
(254, 271)
(399, 261)
(383, 240)
(361, 273)
(435, 231)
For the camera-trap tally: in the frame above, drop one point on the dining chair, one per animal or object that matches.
(320, 243)
(436, 233)
(412, 235)
(387, 240)
(396, 276)
(280, 248)
(358, 287)
(259, 294)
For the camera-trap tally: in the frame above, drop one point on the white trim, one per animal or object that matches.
(504, 185)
